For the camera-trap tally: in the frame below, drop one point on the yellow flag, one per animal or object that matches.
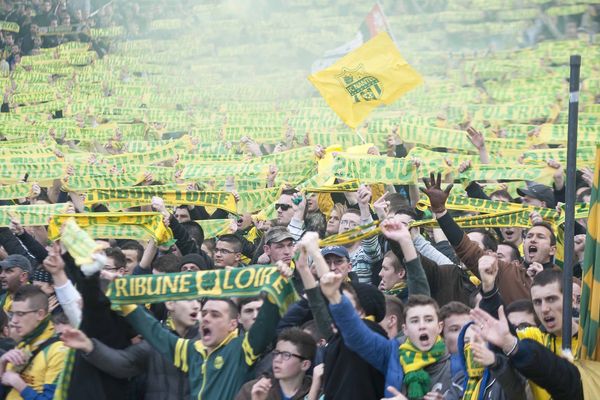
(371, 75)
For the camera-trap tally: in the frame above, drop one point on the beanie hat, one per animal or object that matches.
(371, 300)
(194, 258)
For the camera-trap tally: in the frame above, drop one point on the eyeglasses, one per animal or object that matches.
(286, 355)
(349, 224)
(20, 314)
(336, 261)
(284, 207)
(224, 251)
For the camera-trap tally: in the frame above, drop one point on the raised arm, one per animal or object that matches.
(401, 244)
(372, 347)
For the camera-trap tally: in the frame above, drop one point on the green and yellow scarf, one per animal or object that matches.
(398, 289)
(414, 361)
(475, 373)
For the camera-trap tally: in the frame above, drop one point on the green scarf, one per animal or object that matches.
(414, 361)
(398, 289)
(249, 281)
(41, 333)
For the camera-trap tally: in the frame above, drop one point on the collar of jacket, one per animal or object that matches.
(199, 346)
(548, 265)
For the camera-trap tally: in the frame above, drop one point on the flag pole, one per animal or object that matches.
(575, 63)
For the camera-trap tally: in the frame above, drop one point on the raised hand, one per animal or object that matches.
(433, 190)
(15, 227)
(476, 138)
(260, 390)
(54, 263)
(364, 195)
(481, 353)
(284, 269)
(298, 205)
(534, 269)
(488, 270)
(309, 243)
(393, 229)
(76, 339)
(382, 206)
(330, 286)
(495, 331)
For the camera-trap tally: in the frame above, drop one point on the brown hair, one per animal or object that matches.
(417, 300)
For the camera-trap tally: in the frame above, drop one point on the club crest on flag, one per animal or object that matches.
(360, 85)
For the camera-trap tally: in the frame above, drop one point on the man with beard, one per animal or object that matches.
(514, 280)
(14, 274)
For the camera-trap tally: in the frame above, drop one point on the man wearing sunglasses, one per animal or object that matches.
(284, 207)
(292, 357)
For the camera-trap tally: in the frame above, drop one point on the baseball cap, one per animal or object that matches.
(538, 191)
(16, 260)
(277, 234)
(339, 251)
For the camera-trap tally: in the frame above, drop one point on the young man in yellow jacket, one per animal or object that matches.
(32, 368)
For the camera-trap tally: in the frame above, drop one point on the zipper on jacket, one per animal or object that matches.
(203, 370)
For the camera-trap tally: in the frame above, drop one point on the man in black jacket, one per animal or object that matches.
(162, 379)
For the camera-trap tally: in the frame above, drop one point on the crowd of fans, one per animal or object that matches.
(437, 313)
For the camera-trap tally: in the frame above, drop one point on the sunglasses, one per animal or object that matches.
(284, 207)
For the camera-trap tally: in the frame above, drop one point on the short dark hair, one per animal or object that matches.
(501, 193)
(522, 305)
(117, 255)
(245, 300)
(134, 245)
(489, 241)
(304, 342)
(453, 308)
(312, 329)
(233, 308)
(397, 201)
(235, 241)
(289, 192)
(60, 318)
(548, 277)
(37, 299)
(168, 263)
(516, 253)
(194, 230)
(394, 306)
(397, 266)
(549, 227)
(417, 300)
(406, 211)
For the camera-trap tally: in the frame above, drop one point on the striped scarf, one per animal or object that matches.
(399, 289)
(414, 361)
(475, 373)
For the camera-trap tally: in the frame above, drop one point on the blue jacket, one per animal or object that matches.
(380, 352)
